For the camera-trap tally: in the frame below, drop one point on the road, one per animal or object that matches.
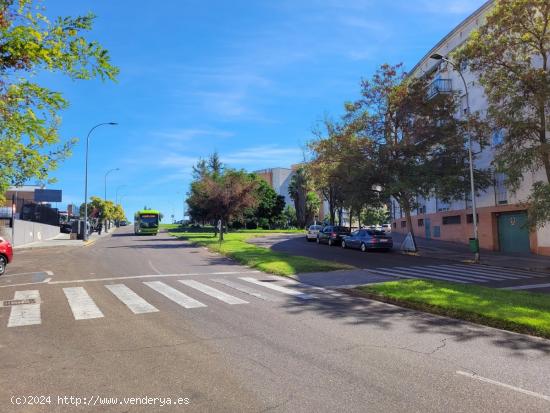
(114, 320)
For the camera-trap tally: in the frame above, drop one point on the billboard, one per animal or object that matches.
(47, 195)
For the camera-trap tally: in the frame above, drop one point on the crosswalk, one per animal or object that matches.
(458, 273)
(83, 306)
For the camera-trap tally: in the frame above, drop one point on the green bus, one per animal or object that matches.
(146, 222)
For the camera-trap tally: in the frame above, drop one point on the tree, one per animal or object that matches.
(313, 204)
(29, 112)
(290, 216)
(416, 143)
(270, 205)
(511, 55)
(298, 188)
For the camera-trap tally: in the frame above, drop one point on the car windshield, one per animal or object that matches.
(315, 228)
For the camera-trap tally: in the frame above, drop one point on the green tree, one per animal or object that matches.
(299, 187)
(510, 53)
(29, 112)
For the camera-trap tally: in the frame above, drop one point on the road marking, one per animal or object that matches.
(133, 301)
(511, 271)
(174, 295)
(276, 287)
(460, 274)
(246, 289)
(27, 273)
(508, 386)
(461, 271)
(213, 292)
(82, 305)
(433, 274)
(154, 268)
(401, 274)
(25, 314)
(527, 287)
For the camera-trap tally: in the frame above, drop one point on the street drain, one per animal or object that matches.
(11, 303)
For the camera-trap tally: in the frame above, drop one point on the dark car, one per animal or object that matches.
(367, 239)
(6, 254)
(332, 235)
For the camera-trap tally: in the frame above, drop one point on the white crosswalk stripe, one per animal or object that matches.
(82, 305)
(175, 295)
(134, 302)
(276, 287)
(213, 292)
(246, 289)
(25, 314)
(460, 273)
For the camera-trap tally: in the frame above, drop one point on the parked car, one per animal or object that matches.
(123, 223)
(386, 228)
(6, 254)
(367, 239)
(332, 235)
(312, 231)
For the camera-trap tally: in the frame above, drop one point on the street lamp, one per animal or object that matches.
(107, 173)
(116, 193)
(437, 56)
(85, 237)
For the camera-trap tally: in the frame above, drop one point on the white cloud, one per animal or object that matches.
(448, 7)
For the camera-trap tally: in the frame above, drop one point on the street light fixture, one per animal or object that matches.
(85, 237)
(107, 173)
(437, 56)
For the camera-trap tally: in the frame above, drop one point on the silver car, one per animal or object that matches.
(312, 231)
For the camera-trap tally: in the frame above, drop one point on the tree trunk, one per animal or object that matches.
(350, 218)
(407, 208)
(221, 229)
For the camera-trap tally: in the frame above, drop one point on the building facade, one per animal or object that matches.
(501, 214)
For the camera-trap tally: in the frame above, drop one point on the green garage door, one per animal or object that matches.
(513, 234)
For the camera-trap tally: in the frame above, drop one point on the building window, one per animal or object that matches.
(451, 220)
(470, 218)
(421, 222)
(501, 193)
(403, 224)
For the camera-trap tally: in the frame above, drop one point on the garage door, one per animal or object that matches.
(513, 233)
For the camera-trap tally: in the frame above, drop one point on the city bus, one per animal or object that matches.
(146, 222)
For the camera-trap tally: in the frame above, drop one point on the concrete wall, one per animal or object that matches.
(28, 231)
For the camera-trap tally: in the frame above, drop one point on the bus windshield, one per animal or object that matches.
(149, 221)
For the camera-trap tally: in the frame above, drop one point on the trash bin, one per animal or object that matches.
(80, 229)
(474, 244)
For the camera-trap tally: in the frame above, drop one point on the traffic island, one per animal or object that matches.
(521, 312)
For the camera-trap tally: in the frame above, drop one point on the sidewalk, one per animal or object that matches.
(64, 240)
(461, 252)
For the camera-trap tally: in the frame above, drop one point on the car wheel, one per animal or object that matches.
(329, 242)
(3, 263)
(363, 247)
(344, 244)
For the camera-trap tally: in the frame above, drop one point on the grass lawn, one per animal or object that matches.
(511, 310)
(236, 247)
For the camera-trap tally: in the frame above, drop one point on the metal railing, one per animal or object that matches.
(439, 86)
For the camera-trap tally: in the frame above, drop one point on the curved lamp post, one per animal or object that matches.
(85, 237)
(437, 56)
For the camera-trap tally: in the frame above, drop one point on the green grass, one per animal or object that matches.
(264, 259)
(511, 310)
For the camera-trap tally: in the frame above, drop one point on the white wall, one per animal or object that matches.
(28, 231)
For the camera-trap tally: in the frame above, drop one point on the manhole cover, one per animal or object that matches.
(11, 303)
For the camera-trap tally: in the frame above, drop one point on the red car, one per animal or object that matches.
(6, 254)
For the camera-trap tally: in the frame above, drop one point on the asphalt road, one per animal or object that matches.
(255, 348)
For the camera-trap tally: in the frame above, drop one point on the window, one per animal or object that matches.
(403, 224)
(421, 222)
(470, 218)
(451, 220)
(501, 193)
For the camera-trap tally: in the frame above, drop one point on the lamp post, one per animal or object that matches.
(85, 237)
(437, 56)
(116, 193)
(107, 173)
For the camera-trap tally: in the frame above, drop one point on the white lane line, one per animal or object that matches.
(213, 292)
(428, 272)
(527, 287)
(276, 287)
(25, 314)
(468, 276)
(50, 273)
(174, 295)
(133, 301)
(413, 274)
(384, 272)
(246, 289)
(154, 268)
(509, 271)
(135, 277)
(479, 274)
(484, 271)
(507, 386)
(82, 305)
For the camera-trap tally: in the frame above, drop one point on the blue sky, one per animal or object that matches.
(249, 79)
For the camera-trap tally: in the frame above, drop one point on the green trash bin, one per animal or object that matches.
(474, 244)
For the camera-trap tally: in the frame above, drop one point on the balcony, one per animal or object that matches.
(439, 86)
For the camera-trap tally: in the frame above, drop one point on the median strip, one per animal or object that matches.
(521, 312)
